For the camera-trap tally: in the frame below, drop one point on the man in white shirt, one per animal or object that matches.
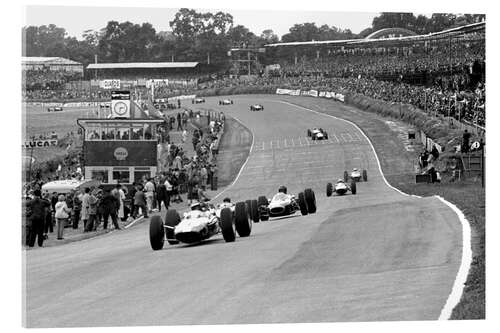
(149, 190)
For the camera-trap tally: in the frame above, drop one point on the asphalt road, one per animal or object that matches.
(376, 255)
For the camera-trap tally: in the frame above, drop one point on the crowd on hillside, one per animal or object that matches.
(45, 79)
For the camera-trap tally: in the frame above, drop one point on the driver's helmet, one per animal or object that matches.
(340, 181)
(195, 205)
(226, 200)
(354, 169)
(282, 189)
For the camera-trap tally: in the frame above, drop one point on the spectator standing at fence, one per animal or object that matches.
(110, 206)
(35, 213)
(85, 208)
(140, 202)
(149, 189)
(131, 195)
(77, 209)
(92, 212)
(62, 215)
(465, 142)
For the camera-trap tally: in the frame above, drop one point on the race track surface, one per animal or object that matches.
(376, 255)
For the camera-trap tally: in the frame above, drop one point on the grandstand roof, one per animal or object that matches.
(445, 33)
(126, 65)
(48, 60)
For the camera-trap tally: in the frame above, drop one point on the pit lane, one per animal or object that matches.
(378, 255)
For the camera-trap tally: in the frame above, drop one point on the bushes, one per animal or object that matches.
(433, 127)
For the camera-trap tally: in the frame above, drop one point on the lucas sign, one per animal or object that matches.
(40, 143)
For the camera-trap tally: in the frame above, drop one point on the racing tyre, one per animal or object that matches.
(308, 132)
(365, 175)
(326, 136)
(353, 187)
(313, 137)
(249, 206)
(346, 176)
(226, 225)
(171, 220)
(311, 200)
(329, 189)
(262, 201)
(242, 221)
(302, 204)
(254, 211)
(156, 233)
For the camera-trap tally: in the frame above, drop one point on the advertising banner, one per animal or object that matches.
(40, 143)
(120, 153)
(109, 84)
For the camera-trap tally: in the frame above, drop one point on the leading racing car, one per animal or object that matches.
(256, 107)
(283, 204)
(202, 222)
(226, 102)
(54, 109)
(340, 188)
(356, 175)
(198, 100)
(317, 134)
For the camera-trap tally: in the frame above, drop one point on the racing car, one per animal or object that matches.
(283, 204)
(356, 175)
(54, 109)
(201, 223)
(340, 188)
(317, 134)
(198, 100)
(256, 107)
(226, 102)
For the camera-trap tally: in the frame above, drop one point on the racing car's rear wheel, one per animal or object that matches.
(346, 176)
(302, 203)
(326, 135)
(242, 221)
(353, 187)
(365, 175)
(254, 210)
(262, 201)
(329, 189)
(226, 224)
(311, 200)
(172, 219)
(156, 233)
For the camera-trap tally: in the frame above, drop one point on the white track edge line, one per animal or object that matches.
(133, 222)
(244, 164)
(463, 271)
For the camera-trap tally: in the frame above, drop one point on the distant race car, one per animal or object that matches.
(317, 134)
(202, 222)
(340, 188)
(256, 107)
(356, 175)
(54, 109)
(226, 102)
(198, 100)
(283, 204)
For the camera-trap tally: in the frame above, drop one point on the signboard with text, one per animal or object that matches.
(120, 153)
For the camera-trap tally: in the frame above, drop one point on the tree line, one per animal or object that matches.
(203, 37)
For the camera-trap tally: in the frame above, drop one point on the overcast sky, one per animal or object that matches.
(78, 19)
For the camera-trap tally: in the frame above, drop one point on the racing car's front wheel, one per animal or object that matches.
(254, 210)
(156, 233)
(302, 204)
(353, 187)
(329, 189)
(365, 175)
(226, 225)
(242, 221)
(310, 200)
(172, 219)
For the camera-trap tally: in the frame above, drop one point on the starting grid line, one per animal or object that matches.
(302, 141)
